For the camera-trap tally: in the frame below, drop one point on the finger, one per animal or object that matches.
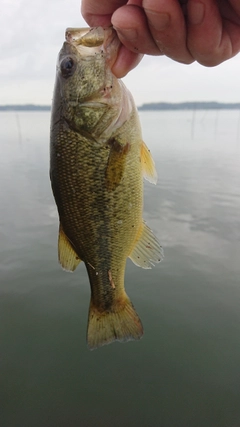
(230, 9)
(166, 22)
(97, 12)
(212, 38)
(131, 25)
(125, 62)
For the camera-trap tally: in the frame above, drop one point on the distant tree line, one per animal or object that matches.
(198, 105)
(189, 106)
(27, 107)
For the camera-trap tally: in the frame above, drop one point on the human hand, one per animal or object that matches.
(206, 31)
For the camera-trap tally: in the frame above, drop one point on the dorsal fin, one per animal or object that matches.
(148, 166)
(147, 250)
(67, 256)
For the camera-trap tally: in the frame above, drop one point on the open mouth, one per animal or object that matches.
(90, 41)
(89, 37)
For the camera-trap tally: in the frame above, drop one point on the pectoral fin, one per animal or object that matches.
(116, 164)
(146, 250)
(67, 256)
(148, 166)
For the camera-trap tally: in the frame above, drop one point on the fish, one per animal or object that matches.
(97, 163)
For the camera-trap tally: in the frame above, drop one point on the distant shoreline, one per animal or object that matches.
(153, 106)
(26, 107)
(198, 105)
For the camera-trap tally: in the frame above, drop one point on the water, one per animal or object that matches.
(185, 371)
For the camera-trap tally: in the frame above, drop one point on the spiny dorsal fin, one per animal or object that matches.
(67, 256)
(148, 166)
(147, 250)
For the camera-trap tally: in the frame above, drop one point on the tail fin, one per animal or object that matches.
(119, 324)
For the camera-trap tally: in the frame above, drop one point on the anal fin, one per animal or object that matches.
(147, 250)
(67, 256)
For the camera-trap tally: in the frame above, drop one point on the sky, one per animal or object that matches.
(32, 33)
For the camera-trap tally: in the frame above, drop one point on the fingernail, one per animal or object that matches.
(127, 34)
(159, 21)
(195, 12)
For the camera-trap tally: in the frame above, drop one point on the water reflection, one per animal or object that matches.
(185, 371)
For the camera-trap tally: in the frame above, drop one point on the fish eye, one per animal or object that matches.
(67, 67)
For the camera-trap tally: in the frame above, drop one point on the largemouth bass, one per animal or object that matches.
(98, 161)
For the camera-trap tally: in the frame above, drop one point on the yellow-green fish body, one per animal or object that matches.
(98, 161)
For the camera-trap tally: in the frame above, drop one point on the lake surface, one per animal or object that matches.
(185, 372)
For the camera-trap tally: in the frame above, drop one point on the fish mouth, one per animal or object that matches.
(96, 40)
(89, 37)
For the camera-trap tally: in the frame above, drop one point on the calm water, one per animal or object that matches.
(185, 372)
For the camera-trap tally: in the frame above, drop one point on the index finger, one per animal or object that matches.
(97, 12)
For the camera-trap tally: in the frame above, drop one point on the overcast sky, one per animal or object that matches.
(32, 32)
